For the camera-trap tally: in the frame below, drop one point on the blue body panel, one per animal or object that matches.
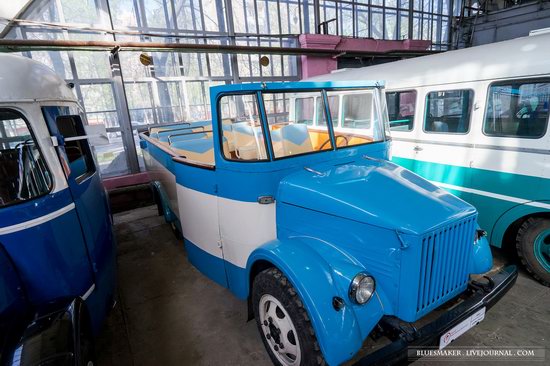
(50, 257)
(62, 243)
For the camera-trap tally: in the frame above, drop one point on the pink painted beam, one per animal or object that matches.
(313, 66)
(126, 180)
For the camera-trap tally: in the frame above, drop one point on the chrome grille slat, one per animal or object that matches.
(444, 263)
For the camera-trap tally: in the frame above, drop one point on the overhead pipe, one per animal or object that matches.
(21, 45)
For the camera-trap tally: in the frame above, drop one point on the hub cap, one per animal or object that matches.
(542, 249)
(279, 331)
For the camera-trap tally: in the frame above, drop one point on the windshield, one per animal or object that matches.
(298, 122)
(23, 171)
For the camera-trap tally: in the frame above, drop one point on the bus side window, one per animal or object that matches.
(76, 146)
(23, 171)
(517, 109)
(401, 109)
(448, 111)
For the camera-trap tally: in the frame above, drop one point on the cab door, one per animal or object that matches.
(89, 196)
(39, 226)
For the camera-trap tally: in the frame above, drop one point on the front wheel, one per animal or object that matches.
(282, 320)
(533, 246)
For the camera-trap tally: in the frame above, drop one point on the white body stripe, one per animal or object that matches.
(35, 222)
(225, 228)
(244, 226)
(198, 213)
(492, 195)
(89, 292)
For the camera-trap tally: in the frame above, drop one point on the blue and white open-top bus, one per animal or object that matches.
(325, 238)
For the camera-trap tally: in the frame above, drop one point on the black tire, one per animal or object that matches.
(176, 231)
(85, 352)
(156, 198)
(525, 241)
(272, 282)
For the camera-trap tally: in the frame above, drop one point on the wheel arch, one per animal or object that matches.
(341, 336)
(161, 198)
(505, 229)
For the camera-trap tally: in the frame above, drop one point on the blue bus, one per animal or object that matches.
(55, 221)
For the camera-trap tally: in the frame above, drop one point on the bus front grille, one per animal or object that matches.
(444, 264)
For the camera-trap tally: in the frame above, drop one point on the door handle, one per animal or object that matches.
(265, 200)
(417, 148)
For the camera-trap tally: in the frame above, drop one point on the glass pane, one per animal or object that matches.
(448, 111)
(377, 24)
(357, 110)
(140, 103)
(78, 151)
(404, 25)
(362, 21)
(123, 13)
(334, 105)
(518, 109)
(243, 138)
(80, 11)
(391, 24)
(155, 13)
(401, 109)
(296, 126)
(23, 171)
(112, 158)
(360, 123)
(98, 97)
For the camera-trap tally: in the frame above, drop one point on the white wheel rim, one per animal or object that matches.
(279, 331)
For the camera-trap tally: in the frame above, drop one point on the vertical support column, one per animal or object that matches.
(231, 32)
(123, 113)
(317, 15)
(411, 19)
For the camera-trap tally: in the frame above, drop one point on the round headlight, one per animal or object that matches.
(362, 288)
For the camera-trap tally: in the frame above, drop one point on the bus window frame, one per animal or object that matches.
(508, 82)
(471, 108)
(46, 163)
(412, 90)
(260, 106)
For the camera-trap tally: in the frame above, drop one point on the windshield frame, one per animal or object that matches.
(376, 88)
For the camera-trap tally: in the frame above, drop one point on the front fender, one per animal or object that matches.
(340, 332)
(52, 336)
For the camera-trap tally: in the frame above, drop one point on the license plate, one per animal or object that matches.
(461, 328)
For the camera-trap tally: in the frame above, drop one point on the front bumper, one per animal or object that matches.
(429, 335)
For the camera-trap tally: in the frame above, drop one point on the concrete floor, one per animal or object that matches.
(170, 314)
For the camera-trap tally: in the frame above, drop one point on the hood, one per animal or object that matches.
(374, 192)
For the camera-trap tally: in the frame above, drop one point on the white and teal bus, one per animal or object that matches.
(475, 122)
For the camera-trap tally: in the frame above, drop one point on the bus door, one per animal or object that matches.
(511, 161)
(74, 152)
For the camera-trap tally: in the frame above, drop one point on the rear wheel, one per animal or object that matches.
(533, 246)
(85, 351)
(282, 320)
(176, 230)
